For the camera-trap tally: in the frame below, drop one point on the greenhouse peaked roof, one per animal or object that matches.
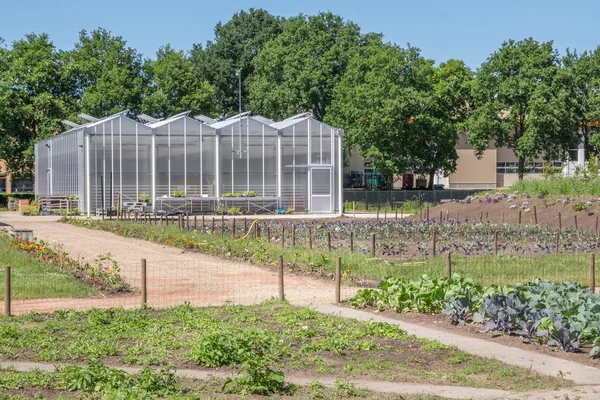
(234, 120)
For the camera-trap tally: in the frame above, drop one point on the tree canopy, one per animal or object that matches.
(400, 110)
(108, 75)
(175, 87)
(298, 70)
(236, 44)
(34, 96)
(521, 103)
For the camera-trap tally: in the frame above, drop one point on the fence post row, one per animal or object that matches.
(7, 291)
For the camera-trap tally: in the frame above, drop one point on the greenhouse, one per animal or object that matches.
(191, 165)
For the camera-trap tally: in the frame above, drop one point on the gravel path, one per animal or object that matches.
(541, 363)
(173, 276)
(450, 392)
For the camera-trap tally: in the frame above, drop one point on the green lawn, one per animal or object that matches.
(33, 279)
(272, 337)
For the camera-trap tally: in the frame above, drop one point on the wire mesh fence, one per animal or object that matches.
(167, 283)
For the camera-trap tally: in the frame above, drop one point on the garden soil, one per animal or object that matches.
(547, 210)
(173, 276)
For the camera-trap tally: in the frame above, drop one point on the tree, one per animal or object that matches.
(236, 44)
(521, 103)
(108, 75)
(174, 87)
(35, 96)
(583, 72)
(401, 111)
(299, 69)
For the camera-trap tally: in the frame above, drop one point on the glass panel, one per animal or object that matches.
(321, 181)
(321, 204)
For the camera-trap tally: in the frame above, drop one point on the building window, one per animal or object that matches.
(2, 183)
(530, 167)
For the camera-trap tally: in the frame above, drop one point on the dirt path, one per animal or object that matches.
(173, 276)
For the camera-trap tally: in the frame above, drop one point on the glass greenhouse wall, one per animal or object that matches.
(190, 165)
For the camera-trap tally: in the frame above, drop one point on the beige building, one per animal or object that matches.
(5, 185)
(496, 168)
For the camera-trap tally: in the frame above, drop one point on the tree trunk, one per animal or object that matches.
(521, 168)
(431, 177)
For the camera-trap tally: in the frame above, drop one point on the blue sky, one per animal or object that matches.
(465, 29)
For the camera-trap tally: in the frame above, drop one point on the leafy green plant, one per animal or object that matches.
(234, 211)
(250, 193)
(178, 193)
(144, 197)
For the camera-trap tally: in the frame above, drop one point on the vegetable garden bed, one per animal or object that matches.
(565, 316)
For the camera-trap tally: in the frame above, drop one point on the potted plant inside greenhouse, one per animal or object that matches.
(144, 198)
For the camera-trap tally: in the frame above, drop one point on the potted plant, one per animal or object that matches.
(144, 198)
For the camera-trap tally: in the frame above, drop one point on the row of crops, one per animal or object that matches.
(564, 315)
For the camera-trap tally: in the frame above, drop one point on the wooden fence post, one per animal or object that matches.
(213, 226)
(441, 216)
(233, 228)
(427, 218)
(556, 241)
(576, 227)
(593, 273)
(559, 221)
(195, 222)
(351, 241)
(280, 275)
(338, 280)
(396, 213)
(245, 226)
(354, 210)
(496, 242)
(283, 236)
(448, 265)
(596, 224)
(329, 241)
(385, 214)
(293, 235)
(144, 283)
(310, 242)
(534, 215)
(373, 245)
(434, 240)
(203, 223)
(502, 216)
(7, 291)
(519, 217)
(481, 217)
(377, 214)
(269, 233)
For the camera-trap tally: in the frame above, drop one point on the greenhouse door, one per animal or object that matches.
(320, 190)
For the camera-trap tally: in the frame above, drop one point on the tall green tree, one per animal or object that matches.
(236, 44)
(108, 75)
(34, 97)
(299, 69)
(174, 87)
(400, 110)
(582, 71)
(521, 103)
